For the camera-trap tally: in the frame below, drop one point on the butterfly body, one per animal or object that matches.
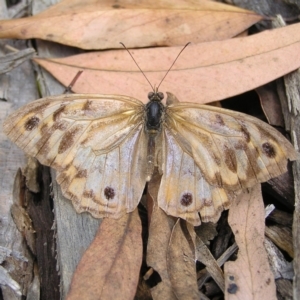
(105, 147)
(154, 118)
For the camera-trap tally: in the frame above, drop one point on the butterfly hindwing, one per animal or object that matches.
(95, 142)
(184, 191)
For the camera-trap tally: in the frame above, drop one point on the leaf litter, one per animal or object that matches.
(201, 77)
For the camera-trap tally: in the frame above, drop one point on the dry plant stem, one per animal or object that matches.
(291, 103)
(204, 275)
(204, 255)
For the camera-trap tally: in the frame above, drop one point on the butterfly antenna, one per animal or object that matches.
(173, 64)
(138, 66)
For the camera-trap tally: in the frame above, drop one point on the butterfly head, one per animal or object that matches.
(155, 96)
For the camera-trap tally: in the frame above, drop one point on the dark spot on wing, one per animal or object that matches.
(246, 133)
(230, 159)
(41, 107)
(109, 193)
(32, 123)
(186, 199)
(216, 159)
(219, 180)
(87, 105)
(43, 145)
(58, 112)
(88, 194)
(68, 138)
(269, 150)
(44, 129)
(240, 145)
(220, 120)
(82, 174)
(60, 125)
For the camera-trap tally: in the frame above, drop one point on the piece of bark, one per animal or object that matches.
(12, 60)
(280, 267)
(290, 102)
(16, 88)
(282, 188)
(75, 232)
(284, 289)
(280, 217)
(281, 237)
(286, 8)
(39, 208)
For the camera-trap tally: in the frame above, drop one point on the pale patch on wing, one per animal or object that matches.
(95, 142)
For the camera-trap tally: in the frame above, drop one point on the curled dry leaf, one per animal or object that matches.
(109, 269)
(181, 263)
(96, 24)
(249, 277)
(157, 248)
(270, 104)
(204, 73)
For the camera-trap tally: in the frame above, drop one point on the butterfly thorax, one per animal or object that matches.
(154, 112)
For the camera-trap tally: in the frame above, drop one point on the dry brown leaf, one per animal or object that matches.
(97, 24)
(157, 247)
(204, 73)
(249, 277)
(181, 263)
(109, 269)
(270, 104)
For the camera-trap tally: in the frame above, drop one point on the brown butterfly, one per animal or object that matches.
(105, 147)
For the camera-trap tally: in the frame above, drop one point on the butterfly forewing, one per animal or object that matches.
(209, 154)
(96, 143)
(231, 149)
